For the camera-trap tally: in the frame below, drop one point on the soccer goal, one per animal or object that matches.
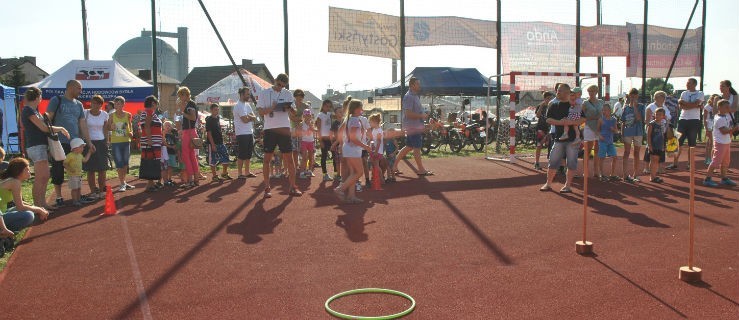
(537, 77)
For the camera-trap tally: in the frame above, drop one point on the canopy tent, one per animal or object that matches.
(104, 77)
(10, 119)
(226, 90)
(443, 81)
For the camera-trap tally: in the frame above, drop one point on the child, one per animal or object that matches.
(73, 166)
(277, 170)
(377, 137)
(656, 143)
(170, 142)
(391, 152)
(575, 112)
(606, 128)
(307, 133)
(722, 130)
(708, 115)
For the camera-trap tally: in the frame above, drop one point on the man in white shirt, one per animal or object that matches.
(244, 118)
(618, 107)
(275, 106)
(691, 104)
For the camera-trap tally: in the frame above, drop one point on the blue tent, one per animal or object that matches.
(10, 119)
(444, 81)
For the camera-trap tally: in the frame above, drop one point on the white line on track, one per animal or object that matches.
(144, 302)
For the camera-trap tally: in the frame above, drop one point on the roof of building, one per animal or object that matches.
(7, 65)
(201, 78)
(142, 45)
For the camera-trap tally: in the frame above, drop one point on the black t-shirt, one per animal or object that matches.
(559, 111)
(33, 135)
(335, 125)
(190, 108)
(213, 125)
(541, 123)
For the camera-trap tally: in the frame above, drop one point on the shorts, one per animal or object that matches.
(633, 140)
(349, 150)
(57, 167)
(561, 150)
(38, 153)
(660, 153)
(542, 137)
(309, 146)
(721, 154)
(172, 161)
(75, 183)
(589, 134)
(121, 153)
(606, 149)
(689, 130)
(277, 137)
(219, 156)
(414, 141)
(98, 159)
(245, 146)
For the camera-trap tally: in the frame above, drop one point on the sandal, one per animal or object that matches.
(295, 192)
(268, 192)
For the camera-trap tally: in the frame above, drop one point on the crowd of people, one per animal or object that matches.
(665, 131)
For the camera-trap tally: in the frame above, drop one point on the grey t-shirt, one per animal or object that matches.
(67, 114)
(593, 111)
(412, 102)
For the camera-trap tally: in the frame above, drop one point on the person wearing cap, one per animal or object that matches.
(217, 153)
(307, 133)
(73, 166)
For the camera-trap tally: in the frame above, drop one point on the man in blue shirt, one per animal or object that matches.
(413, 124)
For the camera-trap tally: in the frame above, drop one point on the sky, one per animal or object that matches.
(51, 30)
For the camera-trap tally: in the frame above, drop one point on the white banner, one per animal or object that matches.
(363, 33)
(661, 45)
(436, 31)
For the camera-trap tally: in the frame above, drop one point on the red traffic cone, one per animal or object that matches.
(110, 209)
(376, 178)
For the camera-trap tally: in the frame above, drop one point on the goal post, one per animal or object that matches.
(513, 94)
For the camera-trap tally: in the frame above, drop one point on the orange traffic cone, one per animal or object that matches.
(110, 209)
(376, 178)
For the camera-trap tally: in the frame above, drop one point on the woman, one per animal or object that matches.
(354, 134)
(188, 133)
(97, 125)
(593, 109)
(119, 124)
(37, 147)
(22, 215)
(151, 144)
(728, 93)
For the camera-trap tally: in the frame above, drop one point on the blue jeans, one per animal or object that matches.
(121, 153)
(564, 149)
(17, 220)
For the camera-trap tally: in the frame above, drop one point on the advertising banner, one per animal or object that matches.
(363, 33)
(604, 41)
(436, 31)
(661, 45)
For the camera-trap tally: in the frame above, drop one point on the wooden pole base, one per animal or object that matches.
(584, 247)
(690, 275)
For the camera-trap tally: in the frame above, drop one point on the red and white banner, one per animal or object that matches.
(604, 41)
(661, 46)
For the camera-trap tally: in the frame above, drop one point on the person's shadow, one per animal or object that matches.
(353, 223)
(259, 222)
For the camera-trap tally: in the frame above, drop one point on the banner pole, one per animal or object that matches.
(679, 45)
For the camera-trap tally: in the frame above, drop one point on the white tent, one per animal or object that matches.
(104, 77)
(226, 90)
(10, 119)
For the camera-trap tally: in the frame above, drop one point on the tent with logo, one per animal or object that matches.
(444, 81)
(104, 77)
(10, 119)
(226, 91)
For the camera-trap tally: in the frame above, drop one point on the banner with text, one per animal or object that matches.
(538, 47)
(661, 45)
(435, 31)
(363, 33)
(604, 41)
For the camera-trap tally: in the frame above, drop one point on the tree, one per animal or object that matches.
(16, 78)
(656, 84)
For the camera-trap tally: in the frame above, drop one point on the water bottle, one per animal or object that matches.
(372, 146)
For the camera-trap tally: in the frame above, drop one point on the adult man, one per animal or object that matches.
(275, 106)
(244, 118)
(618, 107)
(632, 132)
(66, 111)
(563, 148)
(413, 117)
(690, 104)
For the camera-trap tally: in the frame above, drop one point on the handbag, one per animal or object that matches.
(150, 168)
(55, 146)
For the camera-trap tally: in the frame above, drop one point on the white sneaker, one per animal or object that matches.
(122, 188)
(327, 177)
(310, 173)
(129, 187)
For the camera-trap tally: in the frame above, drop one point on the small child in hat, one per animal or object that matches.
(73, 167)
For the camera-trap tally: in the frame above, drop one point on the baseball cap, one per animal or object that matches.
(76, 142)
(577, 90)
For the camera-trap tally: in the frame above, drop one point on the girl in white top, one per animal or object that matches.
(378, 143)
(708, 124)
(323, 124)
(307, 145)
(352, 152)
